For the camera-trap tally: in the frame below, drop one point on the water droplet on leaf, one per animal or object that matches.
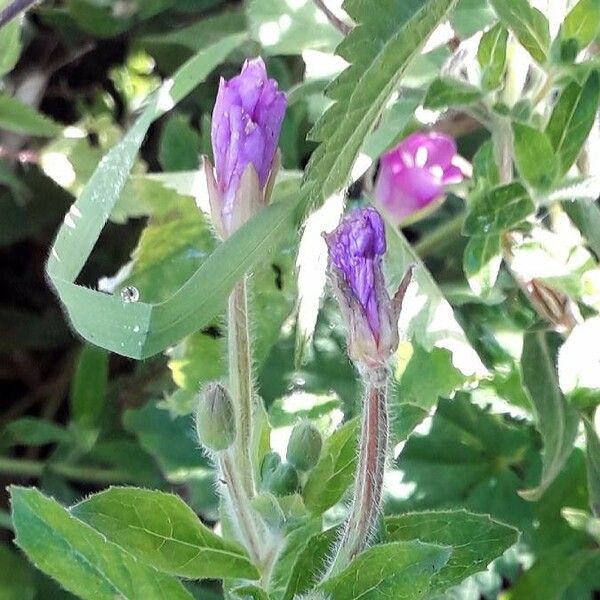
(130, 294)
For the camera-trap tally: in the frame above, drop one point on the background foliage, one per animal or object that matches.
(503, 408)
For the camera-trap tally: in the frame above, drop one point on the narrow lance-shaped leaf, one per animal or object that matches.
(444, 92)
(582, 23)
(555, 420)
(572, 119)
(161, 530)
(81, 559)
(21, 118)
(534, 156)
(491, 55)
(379, 49)
(528, 24)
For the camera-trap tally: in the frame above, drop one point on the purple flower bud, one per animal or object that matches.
(356, 248)
(246, 122)
(412, 175)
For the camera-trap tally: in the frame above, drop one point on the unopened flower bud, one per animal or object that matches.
(215, 421)
(246, 123)
(412, 175)
(269, 464)
(304, 446)
(283, 480)
(356, 248)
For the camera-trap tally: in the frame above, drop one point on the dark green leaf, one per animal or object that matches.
(528, 24)
(179, 146)
(586, 216)
(445, 92)
(81, 559)
(16, 577)
(491, 55)
(485, 167)
(498, 209)
(400, 570)
(572, 119)
(481, 262)
(162, 531)
(475, 540)
(535, 158)
(332, 475)
(556, 421)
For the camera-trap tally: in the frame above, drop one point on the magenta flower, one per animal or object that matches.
(246, 123)
(412, 175)
(356, 248)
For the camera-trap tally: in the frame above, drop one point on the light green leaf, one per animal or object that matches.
(445, 92)
(10, 41)
(572, 119)
(498, 209)
(21, 118)
(581, 520)
(556, 421)
(592, 461)
(88, 393)
(481, 262)
(290, 27)
(332, 475)
(399, 570)
(528, 24)
(81, 559)
(535, 158)
(142, 329)
(491, 55)
(475, 540)
(582, 23)
(379, 50)
(162, 531)
(250, 592)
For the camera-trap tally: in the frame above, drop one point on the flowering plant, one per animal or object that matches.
(312, 378)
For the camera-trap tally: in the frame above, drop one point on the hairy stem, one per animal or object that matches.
(240, 506)
(240, 377)
(368, 486)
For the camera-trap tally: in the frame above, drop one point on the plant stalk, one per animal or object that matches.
(240, 378)
(368, 486)
(240, 506)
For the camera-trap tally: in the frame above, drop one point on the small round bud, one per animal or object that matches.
(269, 465)
(215, 421)
(284, 480)
(304, 446)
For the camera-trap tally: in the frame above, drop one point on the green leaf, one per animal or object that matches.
(379, 50)
(31, 431)
(498, 209)
(162, 531)
(555, 420)
(10, 41)
(586, 216)
(88, 393)
(179, 146)
(572, 119)
(250, 592)
(445, 92)
(400, 570)
(491, 55)
(481, 262)
(428, 376)
(81, 559)
(290, 28)
(475, 540)
(16, 577)
(528, 24)
(142, 329)
(582, 521)
(535, 158)
(332, 475)
(485, 168)
(21, 118)
(592, 460)
(582, 23)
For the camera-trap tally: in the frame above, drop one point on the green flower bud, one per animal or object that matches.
(215, 421)
(304, 447)
(284, 480)
(269, 464)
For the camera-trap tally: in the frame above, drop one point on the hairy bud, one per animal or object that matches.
(304, 446)
(215, 421)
